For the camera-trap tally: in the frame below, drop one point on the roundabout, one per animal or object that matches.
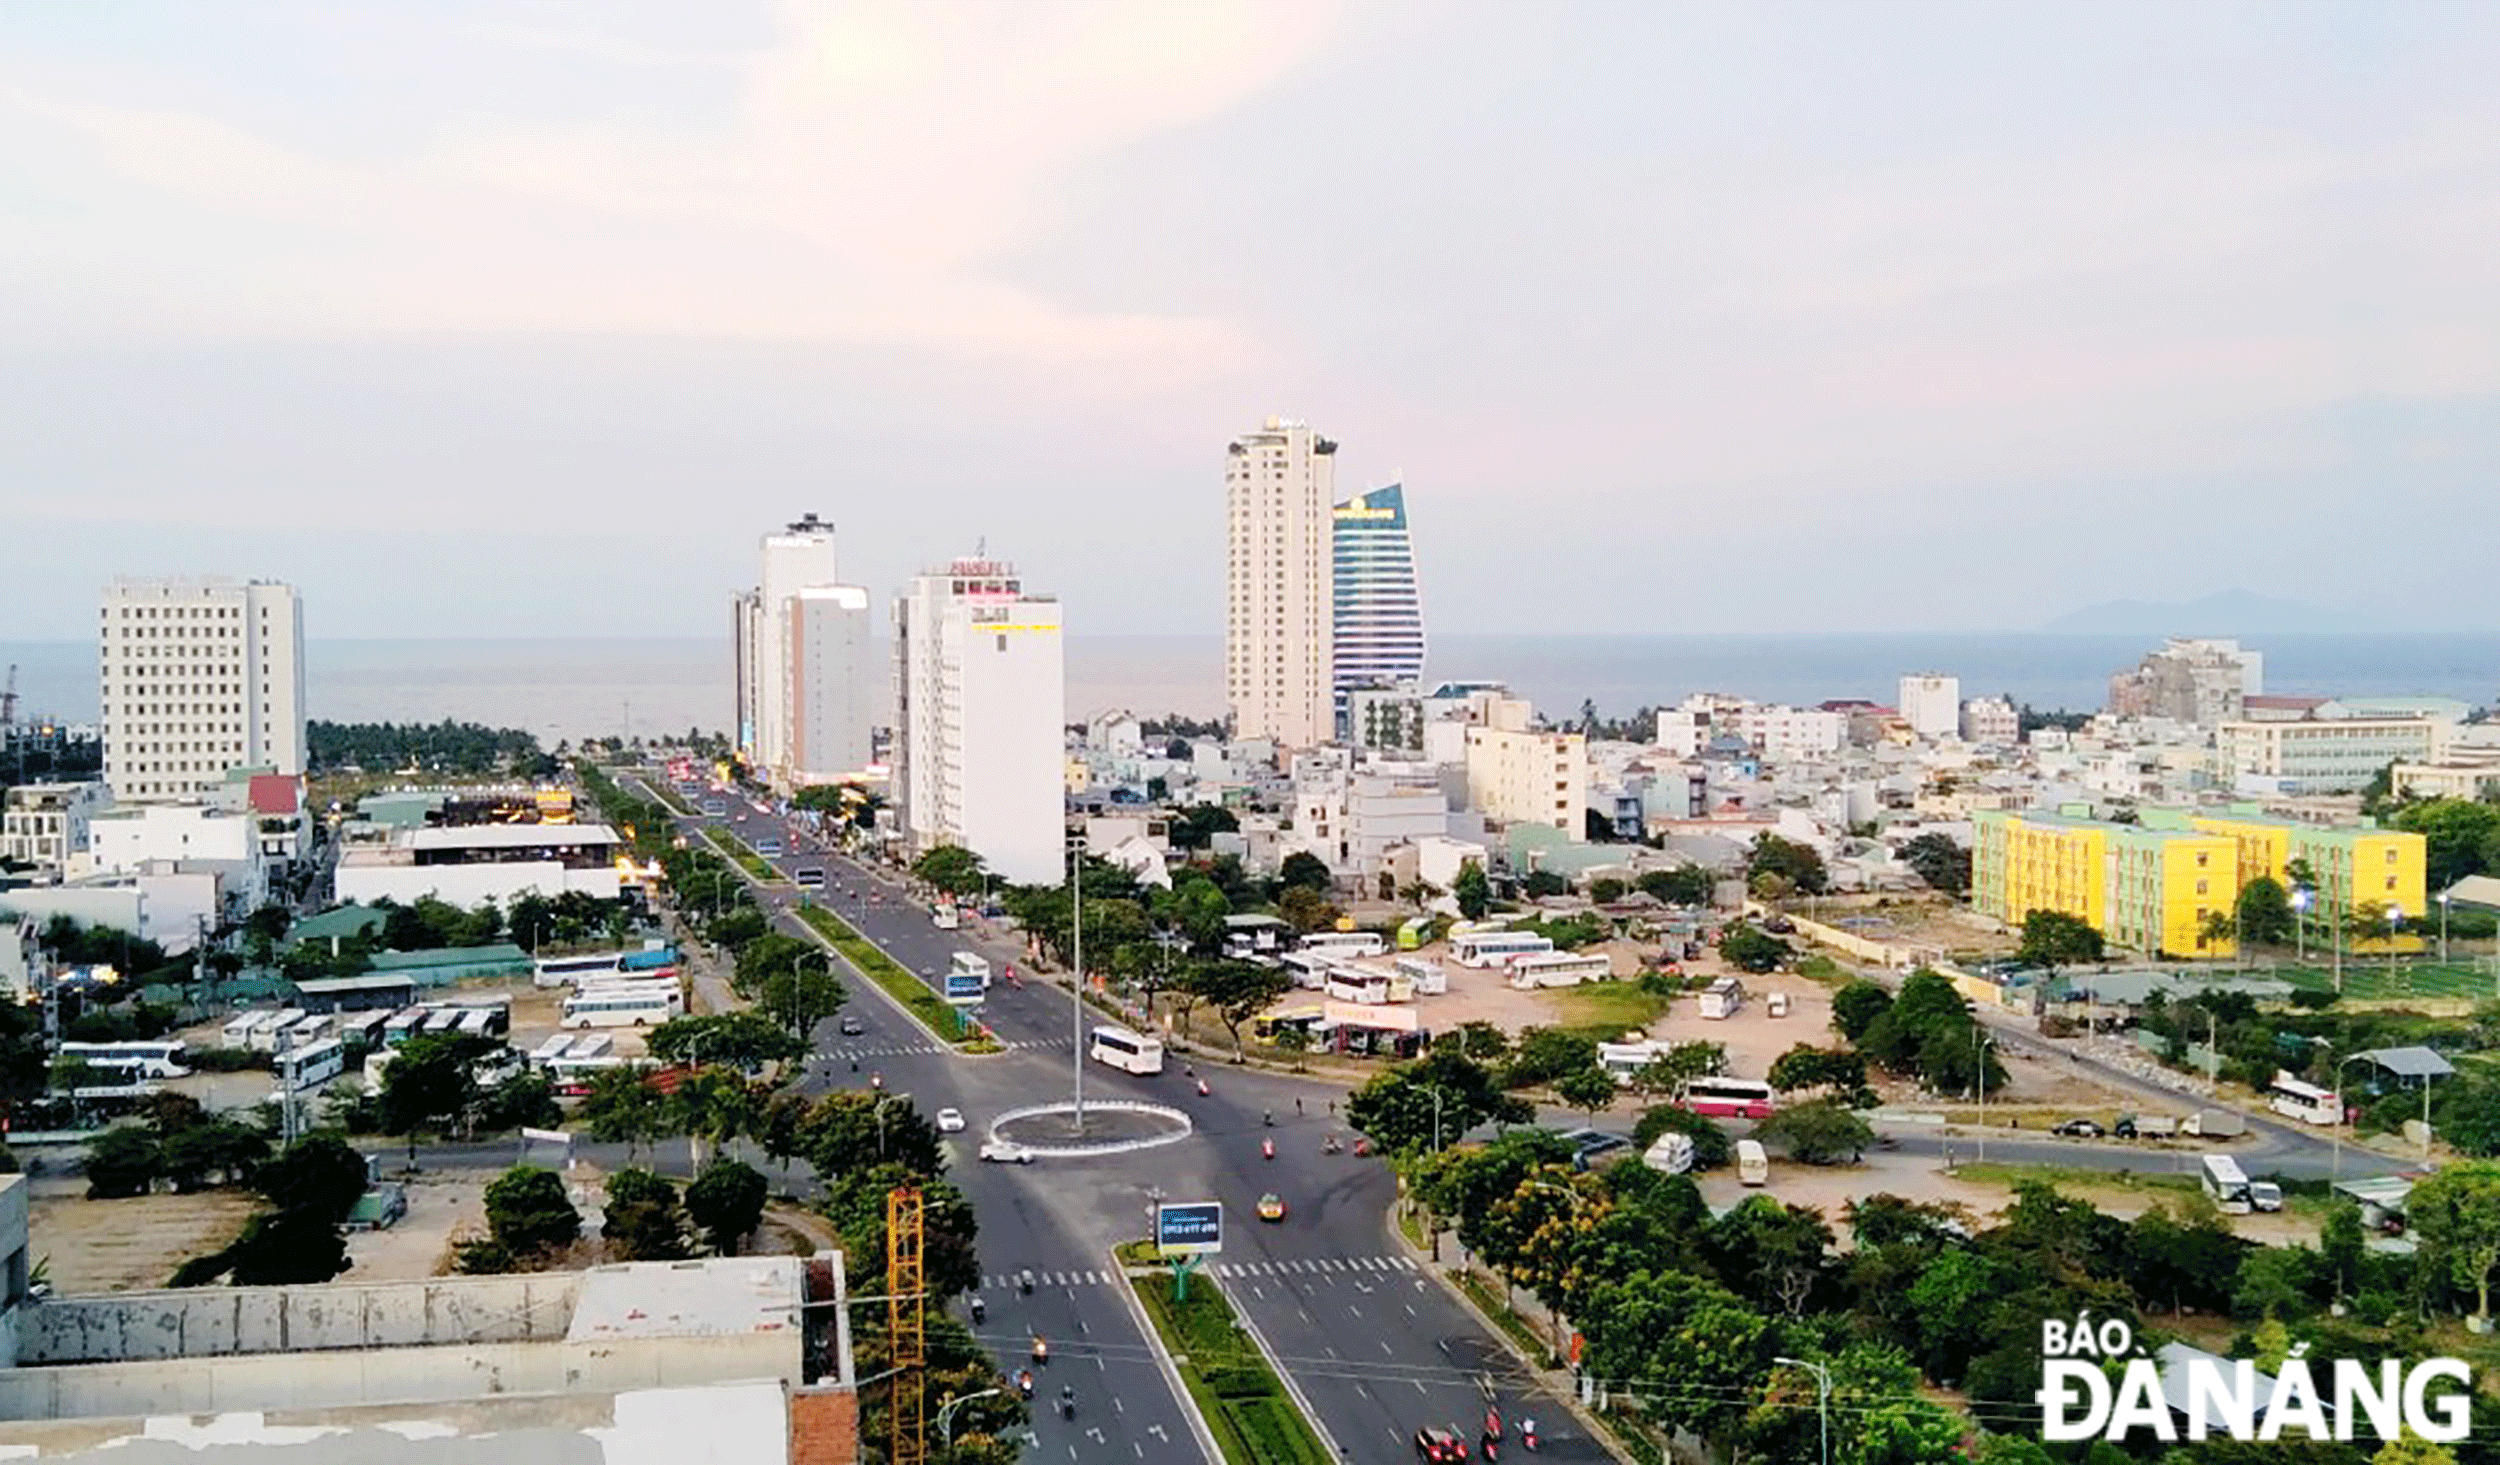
(1111, 1127)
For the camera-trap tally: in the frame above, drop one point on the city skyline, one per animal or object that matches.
(1787, 289)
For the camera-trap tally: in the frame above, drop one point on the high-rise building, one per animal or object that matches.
(980, 718)
(803, 677)
(1519, 774)
(1378, 627)
(200, 677)
(1931, 703)
(2200, 680)
(1280, 482)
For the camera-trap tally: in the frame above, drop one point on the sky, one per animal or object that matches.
(483, 318)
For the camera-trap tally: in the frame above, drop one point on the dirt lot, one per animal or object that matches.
(119, 1245)
(440, 1207)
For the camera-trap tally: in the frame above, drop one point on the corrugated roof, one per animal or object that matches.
(367, 982)
(2411, 1062)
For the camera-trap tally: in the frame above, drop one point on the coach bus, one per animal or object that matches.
(310, 1066)
(590, 966)
(1127, 1051)
(2305, 1102)
(641, 1004)
(1728, 1098)
(135, 1060)
(1495, 948)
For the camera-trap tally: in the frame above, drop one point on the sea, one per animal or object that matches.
(566, 690)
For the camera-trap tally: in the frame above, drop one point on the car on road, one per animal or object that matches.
(852, 1027)
(950, 1121)
(1271, 1207)
(1005, 1152)
(1779, 926)
(2080, 1129)
(1432, 1443)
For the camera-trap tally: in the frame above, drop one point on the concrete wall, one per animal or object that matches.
(345, 1380)
(208, 1322)
(467, 885)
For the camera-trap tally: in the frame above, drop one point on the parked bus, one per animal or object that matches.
(440, 1022)
(591, 1045)
(559, 971)
(403, 1025)
(1495, 948)
(1723, 998)
(308, 1030)
(555, 1047)
(239, 1028)
(1623, 1062)
(131, 1060)
(1558, 969)
(571, 1076)
(471, 1022)
(363, 1029)
(617, 1007)
(1130, 1052)
(2227, 1185)
(1732, 1098)
(265, 1037)
(310, 1066)
(2305, 1102)
(1346, 943)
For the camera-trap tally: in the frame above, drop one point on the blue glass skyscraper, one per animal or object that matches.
(1378, 627)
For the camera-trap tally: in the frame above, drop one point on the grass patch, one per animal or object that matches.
(1411, 1226)
(669, 797)
(1245, 1403)
(1615, 1006)
(746, 858)
(2368, 979)
(863, 954)
(1490, 1303)
(2077, 1178)
(1822, 969)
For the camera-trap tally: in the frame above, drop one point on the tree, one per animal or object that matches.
(1587, 1089)
(292, 1246)
(849, 1132)
(1817, 1133)
(1195, 827)
(2053, 939)
(746, 1041)
(1805, 1066)
(623, 1107)
(2459, 837)
(2342, 1244)
(2263, 912)
(527, 1212)
(123, 1161)
(1748, 948)
(726, 1202)
(320, 1173)
(1857, 1005)
(1306, 871)
(2456, 1215)
(1398, 1109)
(2273, 1282)
(643, 1220)
(1472, 890)
(715, 1105)
(1544, 885)
(1798, 864)
(1700, 1351)
(1681, 885)
(1237, 990)
(1479, 1039)
(1305, 909)
(1606, 889)
(1545, 1054)
(951, 869)
(426, 1088)
(1939, 860)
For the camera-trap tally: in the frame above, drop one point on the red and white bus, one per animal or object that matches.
(1730, 1098)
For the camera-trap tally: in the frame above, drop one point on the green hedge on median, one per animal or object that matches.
(1254, 1420)
(933, 1011)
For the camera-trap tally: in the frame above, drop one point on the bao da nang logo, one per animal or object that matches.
(2094, 1385)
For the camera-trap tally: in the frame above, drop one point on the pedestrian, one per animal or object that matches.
(1297, 1104)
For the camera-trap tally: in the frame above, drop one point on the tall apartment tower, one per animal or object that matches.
(200, 676)
(1279, 485)
(802, 676)
(1931, 703)
(980, 718)
(1377, 638)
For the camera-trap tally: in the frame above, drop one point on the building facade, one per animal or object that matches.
(2152, 890)
(199, 676)
(1931, 703)
(1377, 636)
(1518, 775)
(45, 824)
(2199, 681)
(1280, 482)
(980, 714)
(1991, 722)
(802, 678)
(2325, 755)
(2349, 868)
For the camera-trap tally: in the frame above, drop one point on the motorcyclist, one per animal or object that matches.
(1067, 1400)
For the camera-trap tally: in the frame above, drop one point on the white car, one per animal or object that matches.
(1006, 1152)
(950, 1121)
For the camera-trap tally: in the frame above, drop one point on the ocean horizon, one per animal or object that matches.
(567, 689)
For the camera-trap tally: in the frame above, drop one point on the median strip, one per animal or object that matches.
(748, 860)
(933, 1012)
(1231, 1378)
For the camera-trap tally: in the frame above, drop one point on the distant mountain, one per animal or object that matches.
(2225, 613)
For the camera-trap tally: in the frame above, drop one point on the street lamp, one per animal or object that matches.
(1822, 1398)
(2302, 898)
(2395, 923)
(1076, 989)
(2443, 928)
(1980, 1043)
(946, 1417)
(2342, 1109)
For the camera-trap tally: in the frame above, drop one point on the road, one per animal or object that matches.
(1377, 1347)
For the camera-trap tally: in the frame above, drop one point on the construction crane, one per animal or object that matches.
(8, 699)
(904, 1210)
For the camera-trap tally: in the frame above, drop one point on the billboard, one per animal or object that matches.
(964, 988)
(1190, 1228)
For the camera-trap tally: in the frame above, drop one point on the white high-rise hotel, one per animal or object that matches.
(803, 676)
(980, 717)
(200, 676)
(1280, 484)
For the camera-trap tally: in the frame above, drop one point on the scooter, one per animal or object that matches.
(1041, 1352)
(1527, 1435)
(1267, 1149)
(1024, 1284)
(1202, 1088)
(1024, 1382)
(1067, 1401)
(1329, 1146)
(980, 1311)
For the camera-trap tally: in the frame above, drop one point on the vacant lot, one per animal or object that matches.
(121, 1245)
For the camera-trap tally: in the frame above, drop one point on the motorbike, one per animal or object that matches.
(1041, 1351)
(1330, 1146)
(1527, 1436)
(1202, 1088)
(1067, 1402)
(1267, 1149)
(980, 1311)
(1362, 1147)
(1024, 1281)
(1024, 1382)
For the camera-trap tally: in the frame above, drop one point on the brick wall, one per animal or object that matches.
(824, 1427)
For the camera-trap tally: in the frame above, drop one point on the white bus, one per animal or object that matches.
(590, 966)
(2225, 1182)
(1346, 943)
(1127, 1051)
(571, 1076)
(1723, 998)
(549, 1051)
(440, 1022)
(1495, 948)
(1623, 1062)
(2305, 1102)
(130, 1061)
(239, 1028)
(1727, 1098)
(265, 1037)
(618, 1007)
(363, 1029)
(307, 1030)
(1558, 969)
(472, 1021)
(403, 1025)
(310, 1066)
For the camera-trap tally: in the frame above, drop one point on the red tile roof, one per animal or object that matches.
(276, 793)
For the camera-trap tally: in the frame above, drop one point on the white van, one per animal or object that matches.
(1670, 1154)
(1753, 1167)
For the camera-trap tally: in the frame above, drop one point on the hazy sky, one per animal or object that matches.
(476, 317)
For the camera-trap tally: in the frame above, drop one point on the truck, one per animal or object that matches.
(2145, 1126)
(2216, 1124)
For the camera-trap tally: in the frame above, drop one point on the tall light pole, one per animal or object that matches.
(1980, 1043)
(1822, 1398)
(946, 1418)
(1076, 992)
(2443, 928)
(2342, 1109)
(2302, 899)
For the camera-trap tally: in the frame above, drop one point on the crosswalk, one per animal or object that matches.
(925, 1048)
(1326, 1266)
